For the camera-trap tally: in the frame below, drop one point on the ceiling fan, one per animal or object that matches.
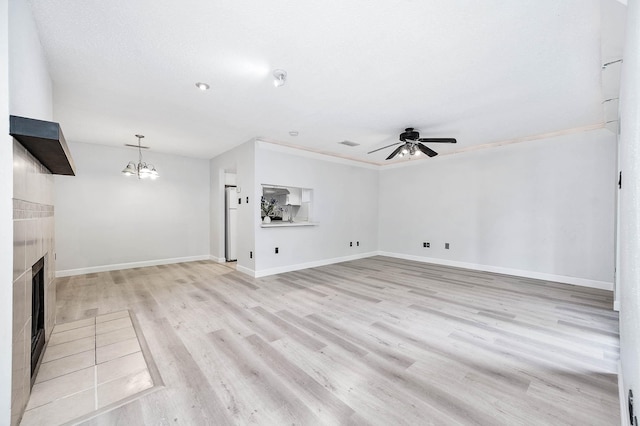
(411, 144)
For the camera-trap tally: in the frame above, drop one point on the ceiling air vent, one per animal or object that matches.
(348, 143)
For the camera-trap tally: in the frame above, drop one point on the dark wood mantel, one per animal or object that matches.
(45, 141)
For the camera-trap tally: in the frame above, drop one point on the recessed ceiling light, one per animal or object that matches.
(202, 86)
(294, 133)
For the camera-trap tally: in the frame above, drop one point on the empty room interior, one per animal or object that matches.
(320, 213)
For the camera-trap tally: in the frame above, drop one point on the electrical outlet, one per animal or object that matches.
(358, 243)
(276, 250)
(247, 200)
(250, 255)
(426, 245)
(350, 243)
(239, 200)
(446, 246)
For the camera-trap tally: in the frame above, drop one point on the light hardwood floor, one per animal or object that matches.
(375, 341)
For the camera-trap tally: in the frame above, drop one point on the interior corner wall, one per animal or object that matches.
(344, 205)
(106, 220)
(6, 223)
(241, 161)
(544, 208)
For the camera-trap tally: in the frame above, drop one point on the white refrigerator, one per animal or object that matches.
(231, 224)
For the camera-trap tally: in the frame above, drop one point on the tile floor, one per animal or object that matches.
(87, 365)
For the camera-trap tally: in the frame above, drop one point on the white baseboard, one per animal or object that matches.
(314, 264)
(246, 271)
(603, 285)
(130, 265)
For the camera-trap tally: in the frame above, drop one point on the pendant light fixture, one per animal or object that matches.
(280, 77)
(141, 169)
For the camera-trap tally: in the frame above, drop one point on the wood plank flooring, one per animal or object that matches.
(377, 341)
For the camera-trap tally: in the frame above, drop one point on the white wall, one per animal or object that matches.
(542, 208)
(241, 161)
(629, 224)
(31, 93)
(105, 220)
(344, 204)
(6, 223)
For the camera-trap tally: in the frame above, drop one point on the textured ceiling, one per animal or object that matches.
(482, 72)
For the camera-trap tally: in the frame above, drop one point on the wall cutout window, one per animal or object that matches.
(285, 203)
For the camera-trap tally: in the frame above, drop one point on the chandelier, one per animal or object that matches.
(142, 169)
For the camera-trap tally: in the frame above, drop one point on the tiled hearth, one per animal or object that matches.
(89, 366)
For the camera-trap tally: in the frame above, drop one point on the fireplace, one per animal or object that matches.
(37, 316)
(39, 152)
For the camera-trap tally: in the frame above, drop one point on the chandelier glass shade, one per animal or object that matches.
(409, 149)
(140, 169)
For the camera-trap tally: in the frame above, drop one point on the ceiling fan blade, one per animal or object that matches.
(426, 150)
(438, 140)
(384, 147)
(395, 152)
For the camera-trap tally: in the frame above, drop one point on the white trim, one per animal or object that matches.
(497, 144)
(118, 266)
(314, 264)
(300, 151)
(583, 282)
(603, 285)
(616, 306)
(246, 270)
(334, 157)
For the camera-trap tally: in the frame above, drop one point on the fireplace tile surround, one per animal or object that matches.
(33, 238)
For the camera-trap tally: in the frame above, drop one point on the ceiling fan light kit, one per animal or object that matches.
(412, 146)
